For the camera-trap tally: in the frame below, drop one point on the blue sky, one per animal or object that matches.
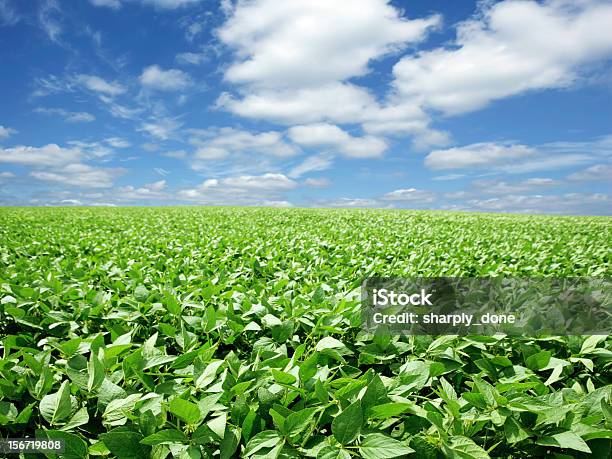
(486, 106)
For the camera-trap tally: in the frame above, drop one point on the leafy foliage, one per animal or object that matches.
(231, 332)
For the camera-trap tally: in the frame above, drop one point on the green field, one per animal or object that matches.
(234, 332)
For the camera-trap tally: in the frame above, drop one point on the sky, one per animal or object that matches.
(478, 106)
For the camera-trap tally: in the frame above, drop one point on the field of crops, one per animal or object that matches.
(235, 332)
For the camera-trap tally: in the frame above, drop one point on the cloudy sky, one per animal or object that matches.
(490, 106)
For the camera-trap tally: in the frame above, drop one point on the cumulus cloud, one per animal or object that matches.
(505, 50)
(493, 186)
(477, 155)
(317, 182)
(113, 4)
(330, 136)
(265, 189)
(160, 4)
(312, 164)
(48, 155)
(163, 128)
(513, 158)
(117, 142)
(71, 117)
(49, 19)
(154, 191)
(280, 51)
(8, 15)
(221, 143)
(189, 58)
(267, 181)
(348, 202)
(286, 44)
(99, 85)
(6, 132)
(154, 77)
(569, 203)
(80, 175)
(410, 195)
(169, 4)
(593, 173)
(335, 102)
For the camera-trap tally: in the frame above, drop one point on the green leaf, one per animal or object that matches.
(333, 452)
(590, 343)
(347, 425)
(125, 445)
(283, 378)
(164, 437)
(230, 442)
(464, 448)
(514, 432)
(379, 446)
(95, 370)
(389, 410)
(58, 406)
(538, 361)
(297, 422)
(74, 446)
(79, 418)
(265, 439)
(185, 410)
(567, 440)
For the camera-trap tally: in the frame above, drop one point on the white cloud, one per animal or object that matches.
(317, 182)
(330, 136)
(312, 164)
(160, 4)
(117, 142)
(80, 117)
(509, 158)
(163, 128)
(509, 48)
(477, 155)
(48, 155)
(221, 143)
(118, 110)
(8, 15)
(156, 186)
(287, 44)
(47, 18)
(348, 202)
(6, 174)
(80, 175)
(569, 203)
(161, 171)
(335, 102)
(71, 202)
(267, 181)
(97, 84)
(71, 117)
(154, 77)
(593, 173)
(6, 132)
(493, 186)
(176, 154)
(91, 149)
(113, 4)
(190, 58)
(294, 59)
(412, 195)
(265, 189)
(169, 4)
